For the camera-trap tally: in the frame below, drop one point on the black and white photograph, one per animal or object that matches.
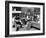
(25, 18)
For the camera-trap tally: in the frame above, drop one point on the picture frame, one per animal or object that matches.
(12, 8)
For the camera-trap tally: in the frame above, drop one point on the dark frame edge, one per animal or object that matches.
(6, 19)
(21, 2)
(44, 19)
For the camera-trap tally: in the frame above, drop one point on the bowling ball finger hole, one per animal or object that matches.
(13, 26)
